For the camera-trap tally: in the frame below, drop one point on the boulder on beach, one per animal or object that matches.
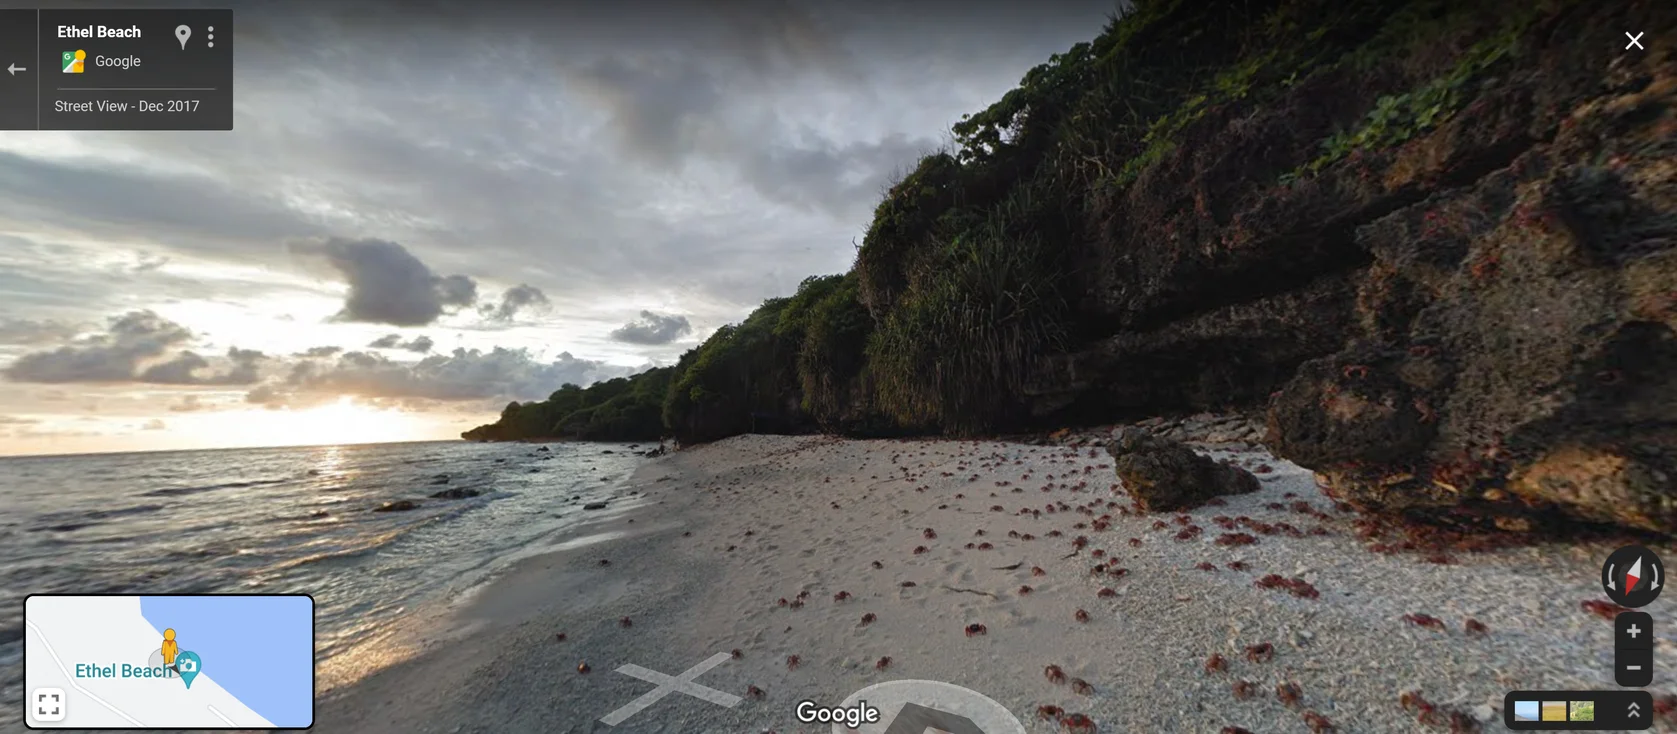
(1164, 475)
(544, 448)
(456, 493)
(397, 506)
(594, 506)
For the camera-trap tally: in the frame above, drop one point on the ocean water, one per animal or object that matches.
(286, 520)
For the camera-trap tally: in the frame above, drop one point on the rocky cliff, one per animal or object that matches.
(1434, 240)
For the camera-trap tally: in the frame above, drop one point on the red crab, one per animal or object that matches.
(1424, 620)
(736, 654)
(1216, 664)
(1318, 723)
(1605, 609)
(975, 629)
(884, 662)
(1037, 571)
(868, 618)
(1262, 652)
(841, 596)
(1475, 627)
(1023, 590)
(1288, 693)
(929, 533)
(1081, 687)
(1106, 593)
(1049, 712)
(754, 691)
(1054, 674)
(792, 662)
(920, 549)
(1077, 724)
(624, 622)
(1244, 689)
(1081, 616)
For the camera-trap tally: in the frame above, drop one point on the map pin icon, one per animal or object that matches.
(183, 32)
(189, 665)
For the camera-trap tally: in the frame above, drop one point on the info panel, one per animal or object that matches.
(168, 661)
(128, 69)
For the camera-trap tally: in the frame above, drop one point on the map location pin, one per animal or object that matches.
(188, 664)
(183, 32)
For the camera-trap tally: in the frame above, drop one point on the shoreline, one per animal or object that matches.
(771, 516)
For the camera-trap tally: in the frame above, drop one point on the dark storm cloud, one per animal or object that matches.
(652, 329)
(518, 298)
(387, 284)
(109, 357)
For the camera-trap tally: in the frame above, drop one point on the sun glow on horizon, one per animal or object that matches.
(345, 421)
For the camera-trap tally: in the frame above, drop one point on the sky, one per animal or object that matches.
(428, 209)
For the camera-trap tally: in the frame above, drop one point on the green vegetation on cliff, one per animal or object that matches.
(982, 261)
(621, 409)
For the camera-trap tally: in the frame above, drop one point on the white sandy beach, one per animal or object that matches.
(727, 530)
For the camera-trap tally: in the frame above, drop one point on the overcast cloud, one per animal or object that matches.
(550, 192)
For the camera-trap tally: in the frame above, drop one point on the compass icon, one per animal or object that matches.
(1633, 576)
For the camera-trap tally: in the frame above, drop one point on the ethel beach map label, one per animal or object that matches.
(177, 662)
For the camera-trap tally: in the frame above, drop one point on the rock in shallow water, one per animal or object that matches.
(456, 493)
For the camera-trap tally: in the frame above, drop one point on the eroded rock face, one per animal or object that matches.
(1163, 475)
(1517, 337)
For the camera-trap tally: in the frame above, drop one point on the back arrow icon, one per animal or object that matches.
(13, 69)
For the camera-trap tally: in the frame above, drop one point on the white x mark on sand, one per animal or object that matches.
(668, 684)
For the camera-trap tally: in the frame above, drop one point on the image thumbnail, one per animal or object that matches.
(1583, 711)
(1525, 711)
(1554, 711)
